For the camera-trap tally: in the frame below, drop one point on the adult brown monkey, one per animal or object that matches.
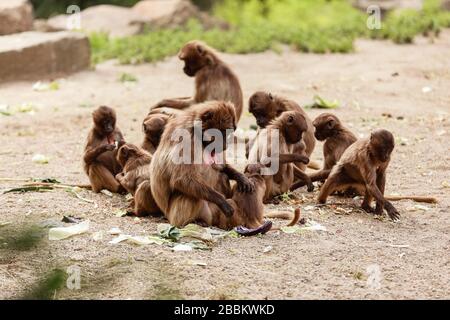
(283, 133)
(337, 139)
(187, 191)
(214, 80)
(135, 178)
(363, 166)
(100, 162)
(265, 107)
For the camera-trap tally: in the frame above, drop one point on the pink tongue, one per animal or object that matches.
(210, 158)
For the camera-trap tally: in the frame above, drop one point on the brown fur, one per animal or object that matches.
(189, 193)
(214, 80)
(337, 139)
(265, 107)
(135, 178)
(99, 159)
(153, 127)
(363, 166)
(291, 125)
(249, 207)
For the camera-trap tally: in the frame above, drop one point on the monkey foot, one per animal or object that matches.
(246, 232)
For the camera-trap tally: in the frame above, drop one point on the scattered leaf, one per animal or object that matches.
(120, 213)
(41, 86)
(127, 77)
(182, 247)
(107, 193)
(29, 189)
(114, 231)
(267, 249)
(40, 158)
(66, 232)
(320, 103)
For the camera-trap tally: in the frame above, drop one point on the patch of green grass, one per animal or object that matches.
(23, 238)
(318, 26)
(46, 288)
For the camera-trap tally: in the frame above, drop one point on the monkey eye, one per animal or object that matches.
(330, 124)
(290, 119)
(270, 96)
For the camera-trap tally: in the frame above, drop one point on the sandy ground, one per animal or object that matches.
(413, 255)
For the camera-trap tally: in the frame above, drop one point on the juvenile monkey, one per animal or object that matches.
(288, 128)
(265, 107)
(187, 191)
(337, 139)
(135, 178)
(153, 127)
(363, 166)
(249, 207)
(214, 80)
(99, 159)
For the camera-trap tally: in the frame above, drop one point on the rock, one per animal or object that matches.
(389, 5)
(172, 13)
(120, 21)
(15, 16)
(37, 55)
(114, 20)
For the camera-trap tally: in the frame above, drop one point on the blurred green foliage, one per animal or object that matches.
(318, 26)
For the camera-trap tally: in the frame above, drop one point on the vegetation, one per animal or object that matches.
(318, 26)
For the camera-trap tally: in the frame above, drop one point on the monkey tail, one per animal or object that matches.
(313, 165)
(287, 215)
(415, 198)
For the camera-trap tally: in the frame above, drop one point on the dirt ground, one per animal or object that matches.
(410, 83)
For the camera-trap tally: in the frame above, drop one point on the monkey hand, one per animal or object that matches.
(303, 159)
(310, 187)
(227, 209)
(108, 147)
(120, 176)
(392, 212)
(245, 185)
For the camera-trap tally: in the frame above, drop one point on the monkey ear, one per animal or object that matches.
(201, 51)
(290, 120)
(270, 96)
(331, 123)
(207, 116)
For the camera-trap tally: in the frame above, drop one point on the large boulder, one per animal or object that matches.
(15, 16)
(172, 13)
(38, 55)
(120, 21)
(114, 20)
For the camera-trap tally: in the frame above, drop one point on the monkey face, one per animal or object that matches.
(264, 108)
(325, 125)
(218, 122)
(294, 126)
(381, 144)
(194, 55)
(105, 120)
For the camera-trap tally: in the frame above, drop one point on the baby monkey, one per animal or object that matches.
(337, 139)
(363, 166)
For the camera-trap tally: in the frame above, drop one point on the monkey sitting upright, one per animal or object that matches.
(363, 166)
(283, 133)
(214, 79)
(100, 162)
(337, 139)
(265, 107)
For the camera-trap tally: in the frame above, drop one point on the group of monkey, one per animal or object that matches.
(202, 193)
